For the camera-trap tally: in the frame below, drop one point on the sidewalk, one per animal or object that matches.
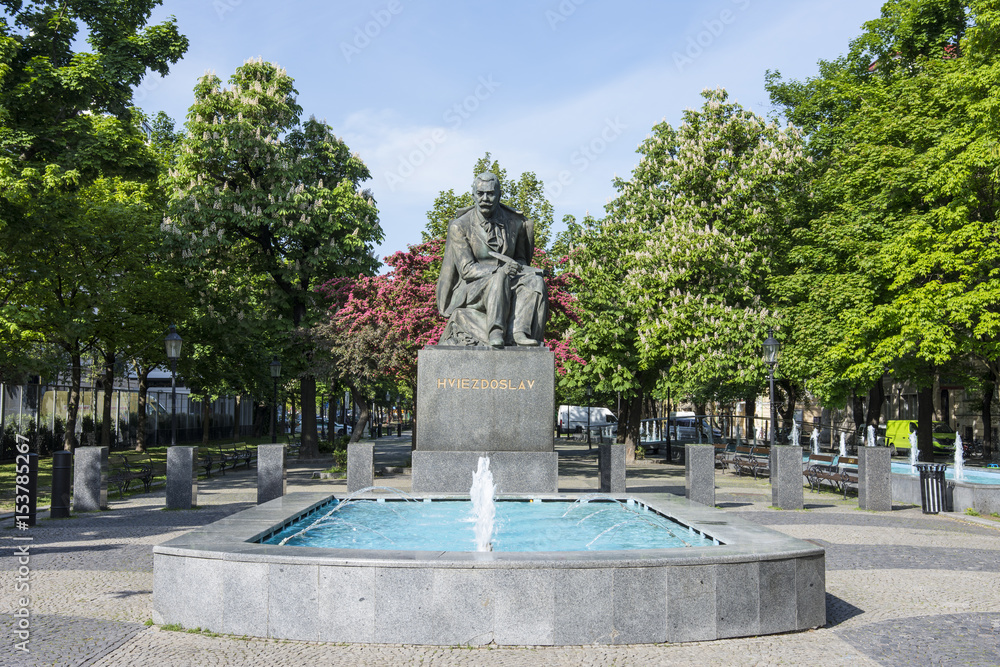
(903, 588)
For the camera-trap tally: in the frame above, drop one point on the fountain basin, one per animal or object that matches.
(221, 578)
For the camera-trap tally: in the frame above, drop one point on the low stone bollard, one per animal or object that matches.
(875, 479)
(90, 479)
(271, 474)
(786, 477)
(699, 473)
(611, 464)
(182, 478)
(360, 466)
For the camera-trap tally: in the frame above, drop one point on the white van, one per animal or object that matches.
(573, 419)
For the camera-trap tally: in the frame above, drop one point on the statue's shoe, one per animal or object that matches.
(524, 340)
(496, 339)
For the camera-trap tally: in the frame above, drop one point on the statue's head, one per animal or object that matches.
(486, 192)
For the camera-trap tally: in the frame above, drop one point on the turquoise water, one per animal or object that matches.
(444, 525)
(971, 475)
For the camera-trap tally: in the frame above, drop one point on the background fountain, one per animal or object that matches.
(815, 441)
(843, 444)
(959, 459)
(483, 505)
(913, 451)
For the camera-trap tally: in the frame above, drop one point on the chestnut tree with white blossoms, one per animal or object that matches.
(264, 209)
(715, 202)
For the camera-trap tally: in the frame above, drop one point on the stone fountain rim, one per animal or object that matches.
(237, 538)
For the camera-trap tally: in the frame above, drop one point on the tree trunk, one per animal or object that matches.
(361, 403)
(750, 408)
(858, 414)
(787, 407)
(73, 402)
(141, 402)
(634, 424)
(413, 429)
(925, 423)
(108, 383)
(876, 398)
(309, 449)
(988, 389)
(206, 420)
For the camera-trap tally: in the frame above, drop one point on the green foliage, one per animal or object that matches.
(712, 204)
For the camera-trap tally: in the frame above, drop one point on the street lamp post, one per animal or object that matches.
(771, 358)
(275, 367)
(590, 392)
(172, 343)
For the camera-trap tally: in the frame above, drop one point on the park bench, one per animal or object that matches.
(756, 462)
(838, 472)
(233, 454)
(126, 468)
(724, 455)
(293, 447)
(849, 469)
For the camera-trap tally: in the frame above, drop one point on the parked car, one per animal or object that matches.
(897, 436)
(573, 419)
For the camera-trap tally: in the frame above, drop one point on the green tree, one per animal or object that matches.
(714, 201)
(270, 207)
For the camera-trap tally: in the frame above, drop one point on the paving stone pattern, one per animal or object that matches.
(903, 588)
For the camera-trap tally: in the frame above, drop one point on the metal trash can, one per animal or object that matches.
(932, 498)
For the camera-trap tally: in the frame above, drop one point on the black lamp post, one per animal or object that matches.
(275, 367)
(771, 346)
(172, 343)
(590, 392)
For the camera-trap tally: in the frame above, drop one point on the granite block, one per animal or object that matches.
(786, 477)
(182, 477)
(778, 596)
(463, 607)
(90, 479)
(346, 604)
(404, 605)
(245, 591)
(737, 599)
(188, 591)
(875, 479)
(611, 464)
(691, 607)
(292, 601)
(584, 609)
(640, 605)
(524, 608)
(475, 399)
(360, 466)
(699, 473)
(513, 472)
(906, 488)
(810, 586)
(271, 473)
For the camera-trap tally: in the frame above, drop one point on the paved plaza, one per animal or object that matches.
(903, 588)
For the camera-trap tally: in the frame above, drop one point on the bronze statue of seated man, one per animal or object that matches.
(488, 289)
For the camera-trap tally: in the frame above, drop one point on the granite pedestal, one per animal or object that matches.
(360, 465)
(699, 473)
(611, 467)
(479, 401)
(271, 474)
(875, 479)
(786, 477)
(182, 477)
(90, 479)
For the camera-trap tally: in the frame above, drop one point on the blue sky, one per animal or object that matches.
(564, 88)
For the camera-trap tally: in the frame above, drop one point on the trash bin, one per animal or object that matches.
(932, 499)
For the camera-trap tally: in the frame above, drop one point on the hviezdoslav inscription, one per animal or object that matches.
(488, 289)
(485, 384)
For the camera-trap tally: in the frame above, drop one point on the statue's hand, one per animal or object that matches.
(511, 268)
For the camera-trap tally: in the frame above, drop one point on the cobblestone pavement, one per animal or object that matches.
(903, 588)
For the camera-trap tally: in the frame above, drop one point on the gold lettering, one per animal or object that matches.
(504, 384)
(531, 384)
(521, 388)
(485, 383)
(511, 385)
(451, 383)
(442, 383)
(475, 384)
(494, 384)
(465, 383)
